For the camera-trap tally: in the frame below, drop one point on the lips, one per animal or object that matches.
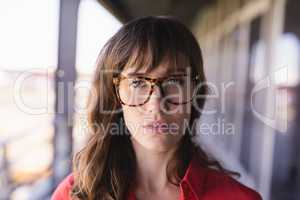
(157, 126)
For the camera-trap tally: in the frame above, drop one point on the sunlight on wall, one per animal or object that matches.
(95, 26)
(29, 33)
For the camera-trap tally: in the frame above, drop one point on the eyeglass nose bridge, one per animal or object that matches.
(158, 82)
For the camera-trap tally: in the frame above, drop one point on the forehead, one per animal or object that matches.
(161, 70)
(166, 67)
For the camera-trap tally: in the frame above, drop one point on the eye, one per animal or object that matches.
(175, 81)
(137, 83)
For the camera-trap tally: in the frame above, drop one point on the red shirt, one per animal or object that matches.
(198, 183)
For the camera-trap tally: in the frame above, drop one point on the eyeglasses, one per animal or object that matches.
(136, 91)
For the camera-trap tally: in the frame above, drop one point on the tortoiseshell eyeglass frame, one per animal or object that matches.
(153, 81)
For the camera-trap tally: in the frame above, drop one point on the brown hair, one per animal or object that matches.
(105, 167)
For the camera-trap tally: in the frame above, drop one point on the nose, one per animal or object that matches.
(155, 103)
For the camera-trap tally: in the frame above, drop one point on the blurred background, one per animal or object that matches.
(251, 53)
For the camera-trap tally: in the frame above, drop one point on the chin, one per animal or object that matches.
(156, 142)
(159, 146)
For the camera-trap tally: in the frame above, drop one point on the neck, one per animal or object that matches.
(151, 168)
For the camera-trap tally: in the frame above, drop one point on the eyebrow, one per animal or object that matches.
(180, 71)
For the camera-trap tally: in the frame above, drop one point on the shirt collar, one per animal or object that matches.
(194, 176)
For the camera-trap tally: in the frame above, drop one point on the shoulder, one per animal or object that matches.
(63, 189)
(217, 183)
(211, 184)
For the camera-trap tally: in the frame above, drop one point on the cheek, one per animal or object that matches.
(180, 112)
(182, 118)
(131, 113)
(132, 119)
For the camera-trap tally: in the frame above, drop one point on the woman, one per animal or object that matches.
(148, 93)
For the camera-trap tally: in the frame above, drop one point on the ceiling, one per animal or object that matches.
(126, 10)
(292, 16)
(185, 10)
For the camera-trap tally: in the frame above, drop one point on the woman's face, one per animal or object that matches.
(157, 125)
